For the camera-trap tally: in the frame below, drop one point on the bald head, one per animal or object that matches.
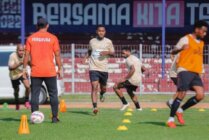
(20, 50)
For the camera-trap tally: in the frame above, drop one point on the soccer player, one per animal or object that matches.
(16, 75)
(43, 47)
(131, 81)
(189, 68)
(100, 49)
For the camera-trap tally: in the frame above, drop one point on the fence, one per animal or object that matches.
(76, 74)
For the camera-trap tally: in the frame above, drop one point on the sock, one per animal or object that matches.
(26, 99)
(94, 105)
(192, 101)
(175, 106)
(123, 100)
(137, 105)
(170, 101)
(180, 110)
(171, 119)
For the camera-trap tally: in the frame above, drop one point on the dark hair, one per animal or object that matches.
(42, 23)
(99, 26)
(126, 48)
(200, 24)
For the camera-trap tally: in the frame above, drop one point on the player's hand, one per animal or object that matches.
(122, 80)
(59, 73)
(83, 61)
(104, 53)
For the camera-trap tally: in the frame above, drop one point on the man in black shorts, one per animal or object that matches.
(16, 75)
(100, 49)
(132, 79)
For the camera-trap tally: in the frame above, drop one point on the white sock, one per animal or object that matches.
(171, 119)
(180, 110)
(170, 101)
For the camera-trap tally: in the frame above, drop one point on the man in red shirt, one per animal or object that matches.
(43, 47)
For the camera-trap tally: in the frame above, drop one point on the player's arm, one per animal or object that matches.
(143, 69)
(26, 60)
(130, 73)
(181, 45)
(13, 65)
(110, 52)
(58, 62)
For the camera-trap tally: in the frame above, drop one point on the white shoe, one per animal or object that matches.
(124, 107)
(139, 109)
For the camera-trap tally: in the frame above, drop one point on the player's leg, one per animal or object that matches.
(51, 83)
(103, 85)
(117, 88)
(133, 98)
(184, 80)
(15, 85)
(36, 83)
(197, 86)
(94, 78)
(170, 101)
(26, 83)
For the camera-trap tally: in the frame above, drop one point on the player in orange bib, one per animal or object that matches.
(189, 69)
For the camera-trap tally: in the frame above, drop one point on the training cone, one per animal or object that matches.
(154, 110)
(24, 129)
(128, 114)
(201, 110)
(122, 128)
(63, 107)
(130, 110)
(126, 121)
(5, 106)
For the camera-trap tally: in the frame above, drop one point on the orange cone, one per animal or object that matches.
(63, 107)
(24, 129)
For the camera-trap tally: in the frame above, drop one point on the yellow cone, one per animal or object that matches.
(128, 114)
(23, 128)
(154, 110)
(63, 106)
(130, 110)
(122, 128)
(126, 121)
(201, 110)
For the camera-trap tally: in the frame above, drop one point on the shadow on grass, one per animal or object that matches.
(154, 123)
(9, 119)
(81, 112)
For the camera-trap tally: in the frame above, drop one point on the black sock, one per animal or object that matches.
(175, 106)
(26, 99)
(137, 105)
(123, 100)
(94, 105)
(102, 93)
(192, 101)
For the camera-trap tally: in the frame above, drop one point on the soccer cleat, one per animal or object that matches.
(180, 118)
(17, 107)
(95, 111)
(102, 97)
(171, 124)
(55, 120)
(139, 109)
(124, 107)
(168, 104)
(27, 105)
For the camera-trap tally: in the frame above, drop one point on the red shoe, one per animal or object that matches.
(180, 118)
(171, 124)
(18, 107)
(27, 105)
(95, 111)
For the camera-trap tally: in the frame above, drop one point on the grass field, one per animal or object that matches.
(80, 124)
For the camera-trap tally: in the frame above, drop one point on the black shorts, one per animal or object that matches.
(187, 79)
(102, 77)
(127, 85)
(16, 83)
(174, 79)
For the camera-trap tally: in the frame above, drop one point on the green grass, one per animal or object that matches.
(80, 124)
